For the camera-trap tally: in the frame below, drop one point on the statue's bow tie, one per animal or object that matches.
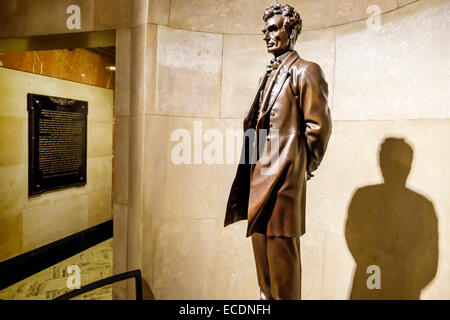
(274, 64)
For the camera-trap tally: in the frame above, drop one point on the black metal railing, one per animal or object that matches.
(136, 274)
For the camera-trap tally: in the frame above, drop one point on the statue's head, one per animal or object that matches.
(395, 158)
(282, 27)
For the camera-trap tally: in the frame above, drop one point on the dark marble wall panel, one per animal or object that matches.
(79, 65)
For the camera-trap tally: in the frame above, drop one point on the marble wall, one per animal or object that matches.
(79, 65)
(27, 222)
(27, 18)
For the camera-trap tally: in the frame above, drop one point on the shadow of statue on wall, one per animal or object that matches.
(392, 232)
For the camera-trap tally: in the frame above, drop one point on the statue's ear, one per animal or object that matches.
(292, 34)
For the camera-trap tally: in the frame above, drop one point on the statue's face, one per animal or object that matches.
(276, 36)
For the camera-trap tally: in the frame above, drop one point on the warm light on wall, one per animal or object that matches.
(111, 68)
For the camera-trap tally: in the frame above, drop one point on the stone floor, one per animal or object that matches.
(94, 263)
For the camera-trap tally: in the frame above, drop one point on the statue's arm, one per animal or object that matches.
(314, 104)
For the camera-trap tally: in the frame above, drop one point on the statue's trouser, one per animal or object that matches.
(278, 266)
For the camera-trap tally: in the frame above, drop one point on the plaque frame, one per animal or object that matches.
(37, 181)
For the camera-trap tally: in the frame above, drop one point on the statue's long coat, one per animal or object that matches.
(295, 104)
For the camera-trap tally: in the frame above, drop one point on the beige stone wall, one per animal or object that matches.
(30, 222)
(27, 18)
(203, 65)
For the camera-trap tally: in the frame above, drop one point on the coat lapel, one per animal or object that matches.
(278, 81)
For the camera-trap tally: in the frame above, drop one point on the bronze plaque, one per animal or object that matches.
(57, 132)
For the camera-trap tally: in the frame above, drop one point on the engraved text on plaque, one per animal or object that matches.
(57, 142)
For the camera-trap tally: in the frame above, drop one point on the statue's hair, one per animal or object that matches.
(292, 19)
